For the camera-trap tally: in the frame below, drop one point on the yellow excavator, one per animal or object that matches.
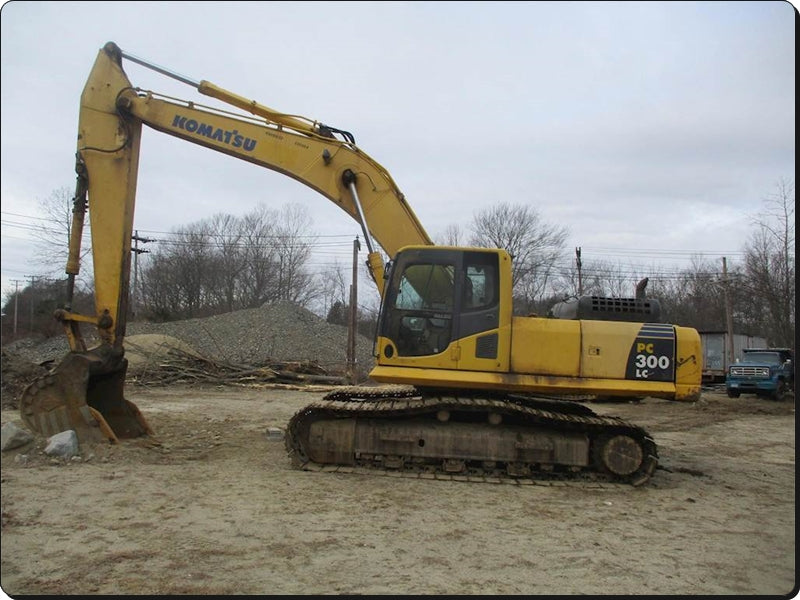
(467, 388)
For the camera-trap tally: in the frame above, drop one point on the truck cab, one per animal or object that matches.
(765, 372)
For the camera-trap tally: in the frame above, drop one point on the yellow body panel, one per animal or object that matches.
(554, 356)
(447, 359)
(688, 362)
(520, 382)
(605, 346)
(468, 361)
(546, 346)
(460, 354)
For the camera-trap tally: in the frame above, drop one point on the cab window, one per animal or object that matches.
(421, 317)
(480, 289)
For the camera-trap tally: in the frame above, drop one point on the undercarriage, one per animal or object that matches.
(458, 434)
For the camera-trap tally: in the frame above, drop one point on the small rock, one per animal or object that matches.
(64, 444)
(274, 433)
(14, 437)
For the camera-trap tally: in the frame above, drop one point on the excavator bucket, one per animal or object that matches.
(83, 393)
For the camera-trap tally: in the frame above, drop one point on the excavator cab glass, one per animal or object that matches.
(422, 311)
(436, 296)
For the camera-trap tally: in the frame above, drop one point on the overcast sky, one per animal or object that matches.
(651, 131)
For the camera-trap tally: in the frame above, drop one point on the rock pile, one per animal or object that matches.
(281, 332)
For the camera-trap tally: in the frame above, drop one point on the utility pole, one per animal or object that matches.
(580, 277)
(352, 321)
(136, 252)
(31, 277)
(728, 311)
(16, 304)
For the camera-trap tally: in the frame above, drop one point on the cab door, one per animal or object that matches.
(482, 317)
(418, 325)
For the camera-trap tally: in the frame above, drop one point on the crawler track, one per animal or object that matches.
(609, 449)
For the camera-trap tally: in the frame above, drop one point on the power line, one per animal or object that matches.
(602, 249)
(325, 254)
(25, 216)
(596, 250)
(297, 241)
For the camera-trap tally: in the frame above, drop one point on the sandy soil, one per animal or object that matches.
(213, 507)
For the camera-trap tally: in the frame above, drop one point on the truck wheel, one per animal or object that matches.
(780, 391)
(733, 393)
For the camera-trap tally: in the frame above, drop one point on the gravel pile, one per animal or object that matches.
(274, 332)
(17, 373)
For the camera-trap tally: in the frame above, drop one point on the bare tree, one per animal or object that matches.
(535, 247)
(53, 236)
(225, 263)
(192, 258)
(225, 270)
(333, 290)
(159, 286)
(258, 229)
(175, 283)
(293, 243)
(693, 297)
(453, 235)
(769, 270)
(599, 278)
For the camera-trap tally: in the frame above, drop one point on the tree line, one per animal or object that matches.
(226, 263)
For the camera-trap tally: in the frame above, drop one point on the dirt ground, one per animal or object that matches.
(212, 506)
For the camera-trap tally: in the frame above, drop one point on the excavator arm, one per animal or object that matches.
(85, 391)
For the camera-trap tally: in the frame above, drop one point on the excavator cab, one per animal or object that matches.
(445, 309)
